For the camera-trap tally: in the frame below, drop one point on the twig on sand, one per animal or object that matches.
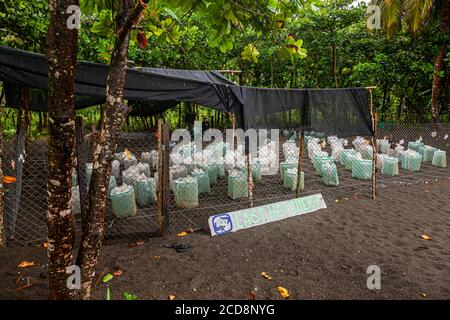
(98, 279)
(19, 277)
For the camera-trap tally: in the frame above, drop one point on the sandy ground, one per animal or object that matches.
(321, 255)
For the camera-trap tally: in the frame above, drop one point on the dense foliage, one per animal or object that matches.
(323, 44)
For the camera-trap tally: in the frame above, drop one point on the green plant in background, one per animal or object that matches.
(250, 53)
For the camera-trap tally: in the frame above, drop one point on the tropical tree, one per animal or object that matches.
(61, 58)
(226, 18)
(416, 13)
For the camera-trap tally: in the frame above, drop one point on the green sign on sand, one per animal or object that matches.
(252, 217)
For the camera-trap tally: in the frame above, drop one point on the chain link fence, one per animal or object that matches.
(201, 185)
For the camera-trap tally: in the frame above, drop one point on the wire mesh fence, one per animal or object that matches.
(203, 185)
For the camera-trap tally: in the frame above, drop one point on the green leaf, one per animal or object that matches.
(129, 296)
(108, 278)
(171, 14)
(250, 53)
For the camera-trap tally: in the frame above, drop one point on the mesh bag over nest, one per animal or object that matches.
(115, 169)
(351, 158)
(362, 169)
(344, 155)
(330, 174)
(290, 179)
(123, 201)
(320, 161)
(427, 153)
(237, 185)
(202, 179)
(415, 145)
(256, 170)
(411, 161)
(213, 172)
(145, 189)
(439, 159)
(74, 178)
(390, 166)
(285, 166)
(89, 169)
(186, 192)
(111, 185)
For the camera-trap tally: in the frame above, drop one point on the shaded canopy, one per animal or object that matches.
(334, 111)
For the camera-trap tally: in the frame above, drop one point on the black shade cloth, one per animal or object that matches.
(150, 91)
(343, 112)
(207, 88)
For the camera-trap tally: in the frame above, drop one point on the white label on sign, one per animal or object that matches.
(252, 217)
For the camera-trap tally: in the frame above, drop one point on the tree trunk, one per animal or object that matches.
(114, 117)
(61, 59)
(443, 27)
(40, 122)
(335, 65)
(45, 120)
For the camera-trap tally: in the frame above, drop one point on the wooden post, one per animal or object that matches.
(163, 176)
(300, 159)
(374, 144)
(81, 168)
(249, 179)
(26, 126)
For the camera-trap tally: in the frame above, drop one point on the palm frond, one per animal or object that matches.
(391, 14)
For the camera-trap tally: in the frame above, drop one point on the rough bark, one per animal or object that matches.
(61, 56)
(114, 117)
(443, 30)
(81, 167)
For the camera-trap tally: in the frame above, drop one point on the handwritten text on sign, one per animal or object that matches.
(252, 217)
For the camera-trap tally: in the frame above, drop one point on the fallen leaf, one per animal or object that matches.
(182, 234)
(9, 179)
(251, 295)
(266, 275)
(136, 244)
(26, 264)
(336, 200)
(117, 273)
(425, 237)
(283, 292)
(424, 295)
(172, 297)
(108, 278)
(345, 198)
(129, 296)
(128, 154)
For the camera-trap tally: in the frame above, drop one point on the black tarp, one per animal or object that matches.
(334, 111)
